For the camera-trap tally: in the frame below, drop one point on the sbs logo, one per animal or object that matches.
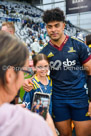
(69, 63)
(56, 65)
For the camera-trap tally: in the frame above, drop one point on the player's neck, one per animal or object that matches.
(60, 41)
(43, 80)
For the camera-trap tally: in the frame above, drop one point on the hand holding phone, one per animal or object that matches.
(41, 103)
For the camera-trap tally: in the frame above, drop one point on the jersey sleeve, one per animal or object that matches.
(28, 98)
(84, 53)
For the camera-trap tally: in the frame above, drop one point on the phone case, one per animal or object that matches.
(41, 103)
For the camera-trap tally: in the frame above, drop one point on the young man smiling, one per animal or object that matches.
(67, 56)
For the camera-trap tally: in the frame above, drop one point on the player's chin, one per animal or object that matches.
(55, 38)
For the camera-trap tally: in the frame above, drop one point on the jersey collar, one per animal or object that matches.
(61, 46)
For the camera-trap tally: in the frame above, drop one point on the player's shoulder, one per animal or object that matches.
(78, 44)
(76, 40)
(45, 49)
(45, 46)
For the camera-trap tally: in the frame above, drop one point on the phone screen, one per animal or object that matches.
(40, 104)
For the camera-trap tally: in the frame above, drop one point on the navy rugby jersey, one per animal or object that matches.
(66, 71)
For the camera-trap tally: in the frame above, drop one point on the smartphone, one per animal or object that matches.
(41, 103)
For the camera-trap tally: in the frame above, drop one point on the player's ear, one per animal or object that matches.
(63, 26)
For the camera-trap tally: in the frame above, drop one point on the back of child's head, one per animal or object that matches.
(39, 57)
(55, 14)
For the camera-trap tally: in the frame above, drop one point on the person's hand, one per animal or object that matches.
(23, 106)
(51, 124)
(28, 85)
(89, 109)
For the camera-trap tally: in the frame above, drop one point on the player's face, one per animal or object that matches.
(42, 68)
(55, 30)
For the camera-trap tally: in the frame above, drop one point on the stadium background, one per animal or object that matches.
(21, 12)
(77, 20)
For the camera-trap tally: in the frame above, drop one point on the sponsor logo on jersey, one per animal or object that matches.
(55, 65)
(69, 63)
(50, 54)
(71, 50)
(66, 64)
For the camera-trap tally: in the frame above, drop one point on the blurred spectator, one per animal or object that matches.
(81, 37)
(10, 28)
(88, 41)
(41, 43)
(35, 46)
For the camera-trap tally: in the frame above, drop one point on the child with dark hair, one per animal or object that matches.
(42, 82)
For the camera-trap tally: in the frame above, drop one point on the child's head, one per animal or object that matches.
(41, 64)
(40, 57)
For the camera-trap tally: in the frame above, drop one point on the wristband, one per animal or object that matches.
(89, 86)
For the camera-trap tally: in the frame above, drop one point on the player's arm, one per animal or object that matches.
(87, 66)
(28, 85)
(85, 59)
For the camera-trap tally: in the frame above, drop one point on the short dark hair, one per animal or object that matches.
(55, 14)
(88, 39)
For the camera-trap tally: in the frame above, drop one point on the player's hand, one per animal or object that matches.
(89, 109)
(51, 124)
(28, 85)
